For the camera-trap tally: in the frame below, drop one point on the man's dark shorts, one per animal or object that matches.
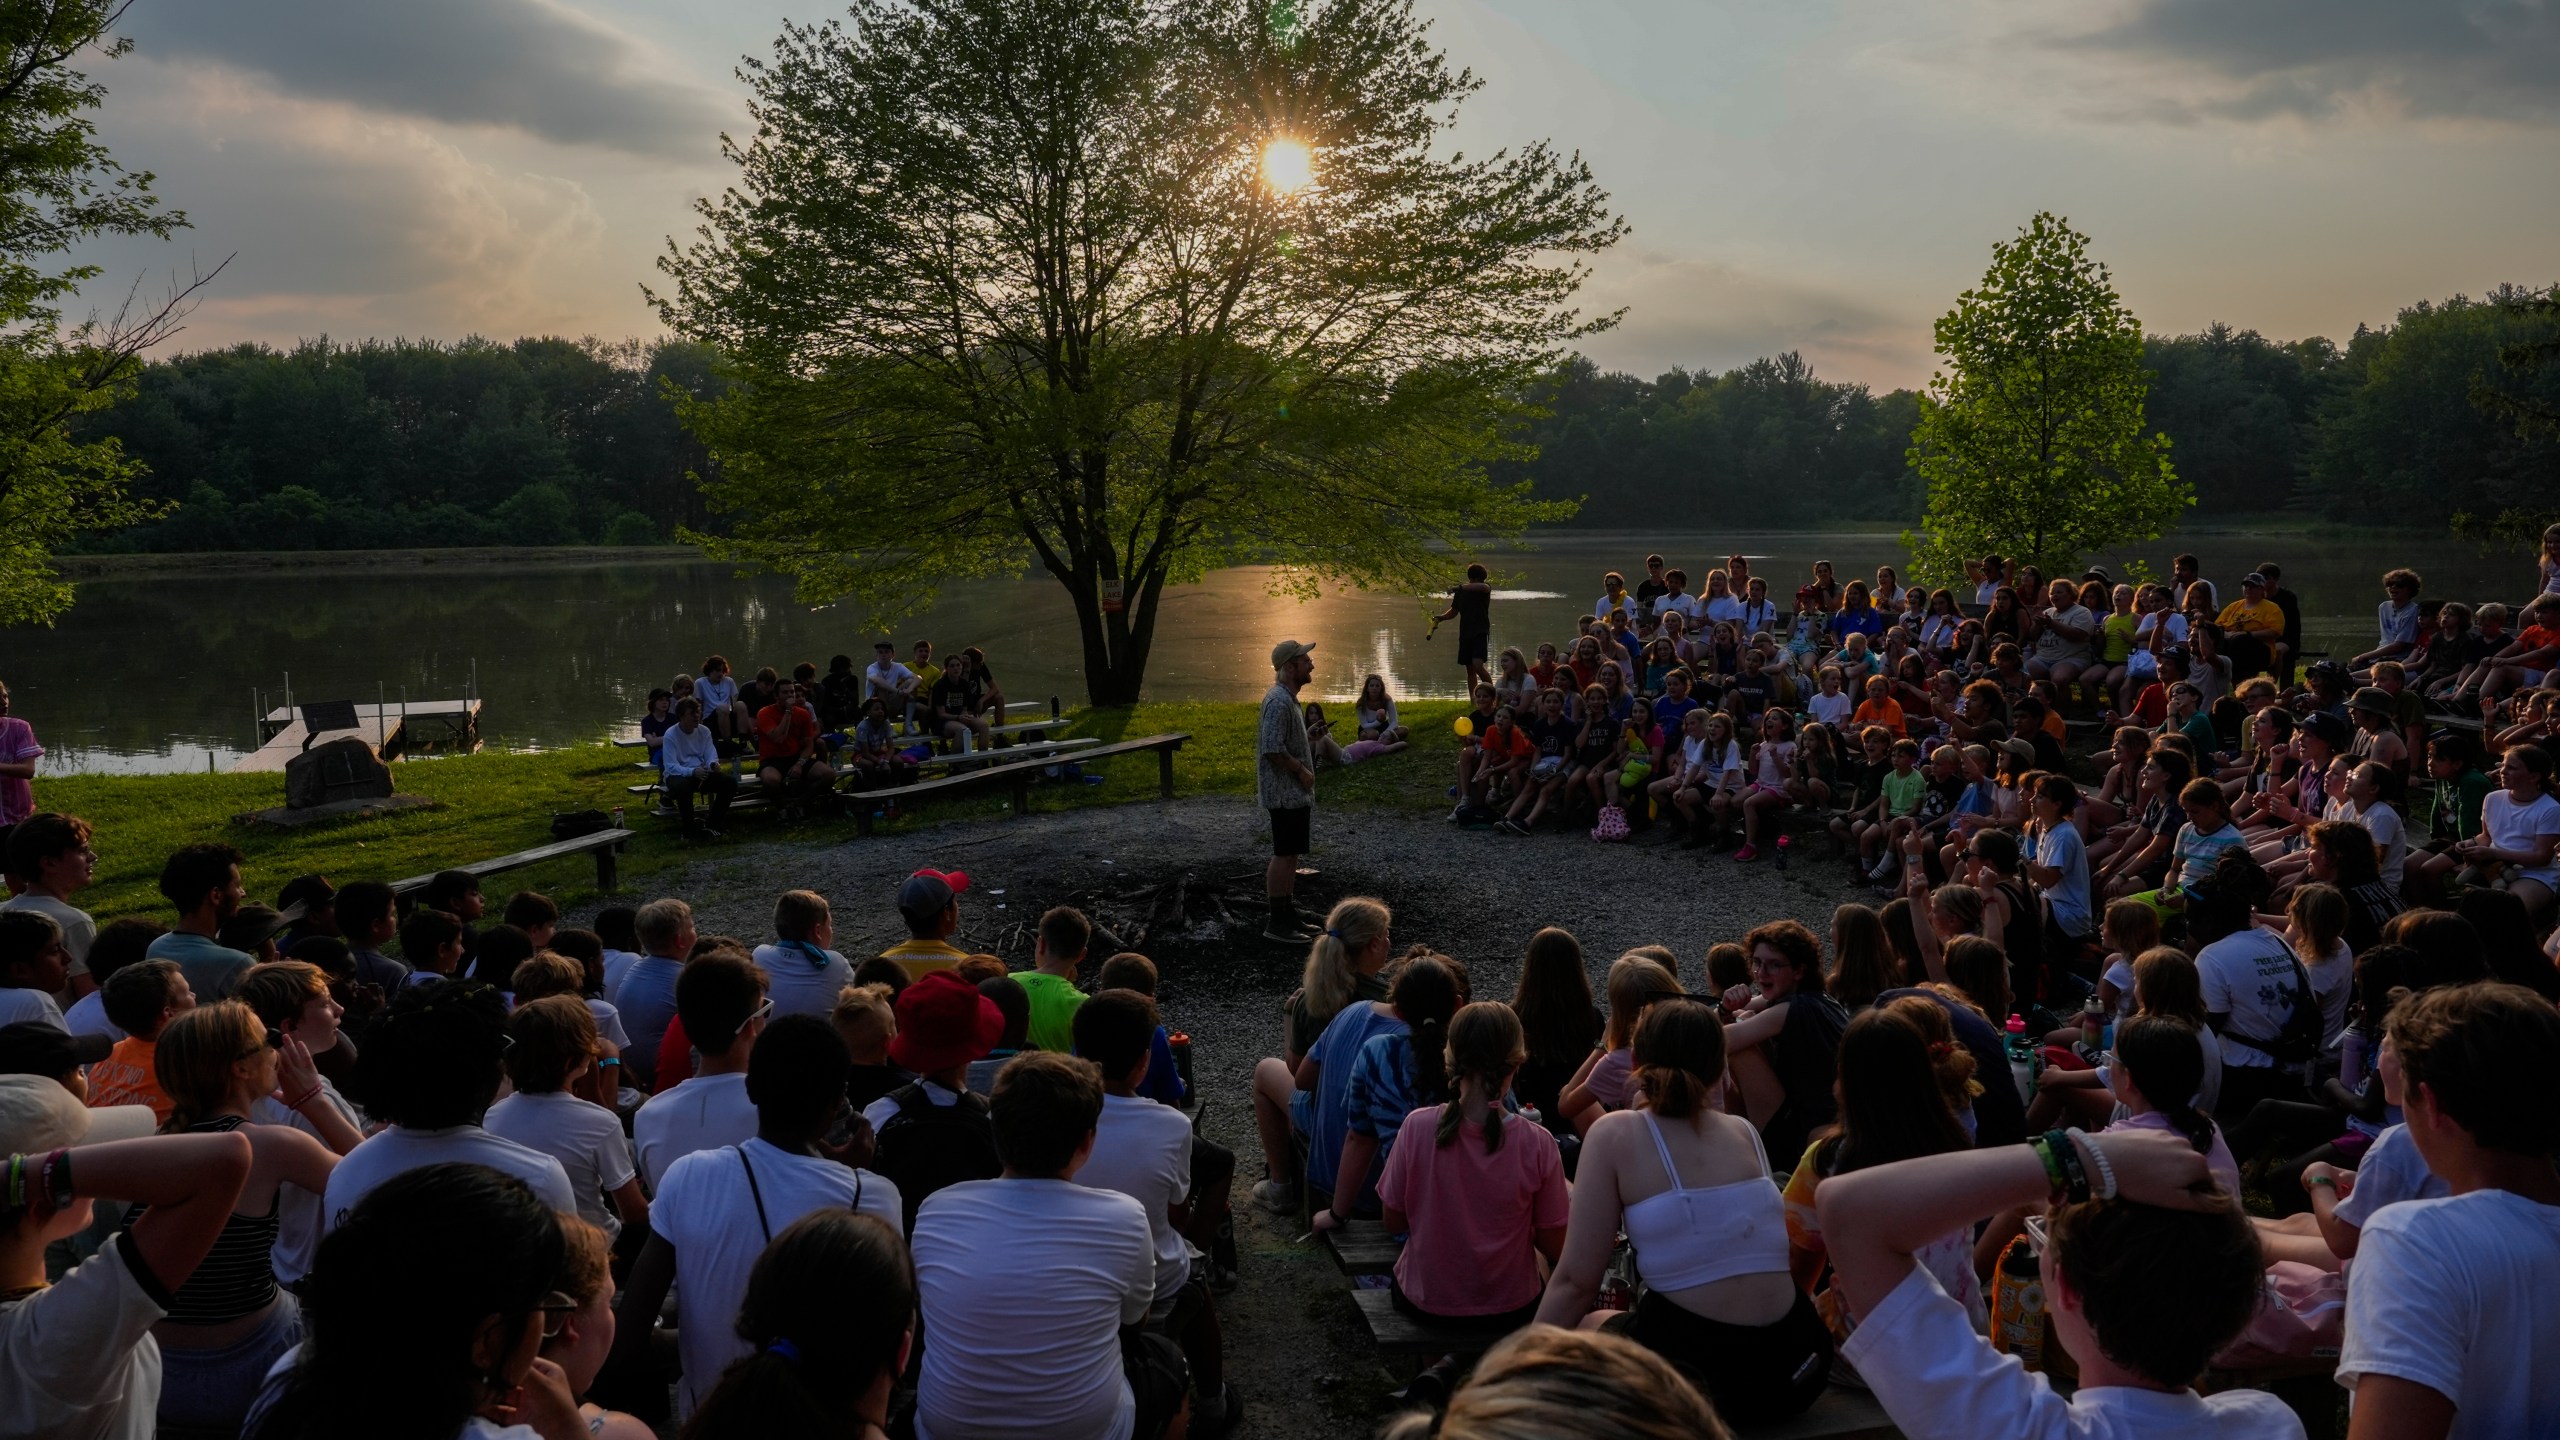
(1473, 648)
(1290, 830)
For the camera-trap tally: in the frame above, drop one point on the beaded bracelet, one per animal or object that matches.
(2043, 1146)
(2075, 1179)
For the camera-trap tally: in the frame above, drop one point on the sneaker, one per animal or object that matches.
(1211, 1422)
(1747, 853)
(1279, 1197)
(1292, 936)
(1509, 826)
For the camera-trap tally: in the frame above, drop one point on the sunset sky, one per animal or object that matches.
(1822, 175)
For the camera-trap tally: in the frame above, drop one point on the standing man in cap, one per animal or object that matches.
(2254, 629)
(929, 902)
(1287, 786)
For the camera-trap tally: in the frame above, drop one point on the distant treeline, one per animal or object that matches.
(2384, 431)
(394, 444)
(550, 441)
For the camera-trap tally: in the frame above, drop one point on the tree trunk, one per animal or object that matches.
(1116, 646)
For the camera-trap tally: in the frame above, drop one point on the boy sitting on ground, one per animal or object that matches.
(1026, 1282)
(720, 1000)
(431, 943)
(933, 1132)
(1143, 1150)
(1050, 985)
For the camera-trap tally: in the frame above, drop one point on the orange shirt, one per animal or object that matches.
(1886, 712)
(126, 1077)
(1503, 744)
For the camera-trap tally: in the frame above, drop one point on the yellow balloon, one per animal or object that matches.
(1466, 727)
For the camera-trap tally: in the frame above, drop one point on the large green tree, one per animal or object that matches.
(2031, 436)
(1129, 288)
(59, 187)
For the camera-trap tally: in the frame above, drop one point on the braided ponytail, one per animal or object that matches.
(1486, 1045)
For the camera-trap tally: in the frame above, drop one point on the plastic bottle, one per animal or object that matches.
(2022, 1063)
(2017, 1306)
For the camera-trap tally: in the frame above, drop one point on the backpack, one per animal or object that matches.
(1612, 824)
(2299, 1041)
(925, 1146)
(578, 823)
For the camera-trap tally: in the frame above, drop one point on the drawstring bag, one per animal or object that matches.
(1613, 824)
(2302, 1315)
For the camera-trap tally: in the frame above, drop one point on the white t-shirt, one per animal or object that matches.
(2390, 838)
(1143, 1150)
(583, 1136)
(300, 1218)
(1024, 1285)
(2457, 1295)
(2511, 826)
(1625, 603)
(2332, 984)
(609, 1024)
(398, 1150)
(704, 1113)
(706, 1209)
(78, 930)
(1831, 710)
(79, 1356)
(1724, 607)
(88, 1016)
(799, 986)
(17, 1006)
(2392, 1171)
(1939, 1380)
(2248, 976)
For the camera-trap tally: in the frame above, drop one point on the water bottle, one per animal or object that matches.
(2022, 1063)
(2017, 1306)
(1783, 843)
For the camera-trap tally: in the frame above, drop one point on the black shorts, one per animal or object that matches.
(1755, 1374)
(1158, 1376)
(1290, 830)
(1473, 648)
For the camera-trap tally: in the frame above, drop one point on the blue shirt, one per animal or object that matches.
(1322, 1114)
(647, 999)
(1164, 1080)
(212, 969)
(2061, 849)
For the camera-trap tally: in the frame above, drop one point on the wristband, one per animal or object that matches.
(2043, 1146)
(2106, 1187)
(604, 1060)
(17, 1195)
(298, 1101)
(57, 1179)
(2075, 1187)
(2314, 1182)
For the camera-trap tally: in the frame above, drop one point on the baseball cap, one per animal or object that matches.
(37, 1114)
(305, 893)
(1288, 650)
(2097, 574)
(928, 893)
(2327, 726)
(34, 1047)
(943, 1021)
(2254, 578)
(2023, 749)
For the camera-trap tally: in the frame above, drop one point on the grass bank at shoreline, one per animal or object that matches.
(500, 802)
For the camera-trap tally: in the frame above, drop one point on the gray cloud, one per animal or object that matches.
(530, 65)
(2483, 59)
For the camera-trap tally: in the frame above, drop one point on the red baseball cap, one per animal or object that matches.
(943, 1021)
(928, 893)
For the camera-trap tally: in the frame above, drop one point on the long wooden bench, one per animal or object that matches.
(1017, 777)
(750, 796)
(1363, 1247)
(1394, 1332)
(604, 845)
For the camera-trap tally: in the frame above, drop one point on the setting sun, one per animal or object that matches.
(1288, 166)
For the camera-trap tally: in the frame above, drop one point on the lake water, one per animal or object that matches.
(157, 673)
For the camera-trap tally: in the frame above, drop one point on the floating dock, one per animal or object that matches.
(389, 728)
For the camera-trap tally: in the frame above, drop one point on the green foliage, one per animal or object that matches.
(2031, 438)
(1679, 449)
(412, 443)
(58, 188)
(2241, 409)
(2407, 444)
(1000, 282)
(631, 528)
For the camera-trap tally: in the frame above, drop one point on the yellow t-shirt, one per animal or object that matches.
(920, 958)
(2258, 617)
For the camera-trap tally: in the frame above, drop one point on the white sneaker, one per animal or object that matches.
(1280, 1197)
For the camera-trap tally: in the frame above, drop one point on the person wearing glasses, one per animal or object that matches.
(230, 1321)
(430, 1302)
(721, 1004)
(430, 1068)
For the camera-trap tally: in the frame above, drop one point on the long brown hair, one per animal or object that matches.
(1863, 965)
(1634, 983)
(1679, 1057)
(2165, 982)
(195, 1054)
(1892, 1105)
(1553, 998)
(1426, 997)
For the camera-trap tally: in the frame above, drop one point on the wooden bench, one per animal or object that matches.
(1017, 776)
(1362, 1247)
(604, 845)
(750, 792)
(1396, 1333)
(1844, 1412)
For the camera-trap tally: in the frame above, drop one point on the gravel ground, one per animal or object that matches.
(1294, 1343)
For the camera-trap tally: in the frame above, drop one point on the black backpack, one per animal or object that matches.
(925, 1146)
(2299, 1040)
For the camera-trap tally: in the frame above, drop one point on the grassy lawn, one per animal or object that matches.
(494, 803)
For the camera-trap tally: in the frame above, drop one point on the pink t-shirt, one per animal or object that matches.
(17, 746)
(1473, 1213)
